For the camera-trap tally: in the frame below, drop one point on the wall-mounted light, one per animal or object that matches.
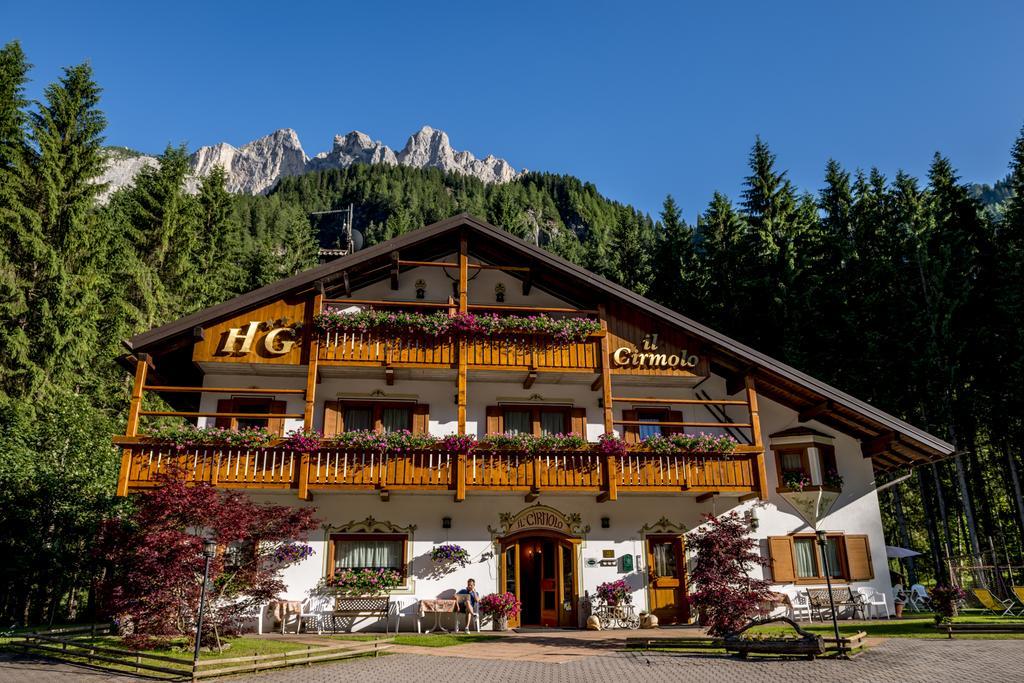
(606, 523)
(499, 293)
(752, 519)
(421, 289)
(446, 522)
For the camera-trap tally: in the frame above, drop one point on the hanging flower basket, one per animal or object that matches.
(449, 555)
(289, 553)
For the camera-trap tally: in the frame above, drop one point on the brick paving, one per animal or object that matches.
(898, 660)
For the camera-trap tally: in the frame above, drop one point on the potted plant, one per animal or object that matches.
(614, 592)
(500, 606)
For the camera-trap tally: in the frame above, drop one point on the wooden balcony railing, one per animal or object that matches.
(277, 467)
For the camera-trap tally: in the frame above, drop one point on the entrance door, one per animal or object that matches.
(667, 588)
(541, 572)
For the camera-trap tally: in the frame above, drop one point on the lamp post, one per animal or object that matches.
(209, 551)
(813, 504)
(823, 544)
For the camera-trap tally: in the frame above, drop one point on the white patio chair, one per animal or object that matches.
(919, 598)
(463, 598)
(873, 600)
(317, 608)
(799, 604)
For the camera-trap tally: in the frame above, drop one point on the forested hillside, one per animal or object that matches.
(902, 291)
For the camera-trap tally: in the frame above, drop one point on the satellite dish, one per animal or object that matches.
(357, 240)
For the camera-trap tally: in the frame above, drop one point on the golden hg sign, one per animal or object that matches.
(648, 356)
(277, 342)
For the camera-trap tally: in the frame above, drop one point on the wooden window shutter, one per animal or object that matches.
(578, 421)
(631, 433)
(421, 419)
(780, 551)
(495, 420)
(858, 558)
(225, 405)
(332, 418)
(674, 416)
(276, 425)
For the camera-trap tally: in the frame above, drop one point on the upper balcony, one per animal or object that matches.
(336, 468)
(521, 350)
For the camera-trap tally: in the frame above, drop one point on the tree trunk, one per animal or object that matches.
(1015, 482)
(934, 540)
(901, 522)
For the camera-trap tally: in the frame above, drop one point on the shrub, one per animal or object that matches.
(944, 601)
(726, 596)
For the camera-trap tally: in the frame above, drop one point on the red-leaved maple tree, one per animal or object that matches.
(155, 559)
(727, 596)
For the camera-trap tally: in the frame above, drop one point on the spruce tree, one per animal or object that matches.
(675, 270)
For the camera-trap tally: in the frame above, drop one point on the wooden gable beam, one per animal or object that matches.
(737, 381)
(878, 445)
(394, 270)
(816, 410)
(531, 377)
(527, 283)
(706, 496)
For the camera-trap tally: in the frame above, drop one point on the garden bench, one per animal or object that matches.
(353, 608)
(841, 596)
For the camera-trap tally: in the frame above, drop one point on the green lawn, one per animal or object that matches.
(426, 639)
(910, 626)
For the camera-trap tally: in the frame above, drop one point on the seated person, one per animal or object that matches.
(468, 605)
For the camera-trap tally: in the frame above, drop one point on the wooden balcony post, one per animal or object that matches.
(755, 429)
(463, 350)
(606, 376)
(535, 488)
(132, 428)
(610, 485)
(460, 477)
(313, 364)
(304, 477)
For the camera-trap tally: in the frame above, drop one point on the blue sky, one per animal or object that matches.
(643, 99)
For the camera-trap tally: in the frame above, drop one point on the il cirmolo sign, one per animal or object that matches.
(649, 356)
(278, 340)
(539, 518)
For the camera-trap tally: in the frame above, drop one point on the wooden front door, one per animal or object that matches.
(541, 572)
(510, 575)
(666, 589)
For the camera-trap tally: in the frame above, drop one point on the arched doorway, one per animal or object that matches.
(540, 568)
(538, 562)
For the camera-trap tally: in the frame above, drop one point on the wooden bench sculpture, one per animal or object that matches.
(808, 644)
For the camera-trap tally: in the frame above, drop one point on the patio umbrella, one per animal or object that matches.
(899, 553)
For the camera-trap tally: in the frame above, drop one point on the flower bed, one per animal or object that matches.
(466, 324)
(363, 582)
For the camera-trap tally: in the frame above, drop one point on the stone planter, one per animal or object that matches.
(499, 623)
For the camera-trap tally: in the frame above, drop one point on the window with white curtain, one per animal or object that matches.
(369, 553)
(806, 567)
(552, 422)
(517, 422)
(396, 419)
(358, 418)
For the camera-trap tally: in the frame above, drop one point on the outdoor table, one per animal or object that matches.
(437, 607)
(774, 600)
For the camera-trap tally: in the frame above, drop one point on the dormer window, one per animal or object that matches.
(805, 459)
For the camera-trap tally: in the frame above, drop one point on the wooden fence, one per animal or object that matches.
(80, 644)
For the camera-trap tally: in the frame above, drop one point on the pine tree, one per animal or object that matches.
(632, 245)
(20, 242)
(675, 279)
(65, 163)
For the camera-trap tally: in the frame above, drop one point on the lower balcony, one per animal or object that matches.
(345, 469)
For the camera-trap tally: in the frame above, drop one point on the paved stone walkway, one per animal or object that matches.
(897, 660)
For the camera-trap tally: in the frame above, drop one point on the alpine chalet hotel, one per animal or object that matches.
(462, 329)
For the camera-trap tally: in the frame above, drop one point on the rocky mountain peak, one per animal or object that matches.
(255, 167)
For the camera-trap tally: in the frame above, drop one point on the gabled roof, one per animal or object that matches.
(891, 442)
